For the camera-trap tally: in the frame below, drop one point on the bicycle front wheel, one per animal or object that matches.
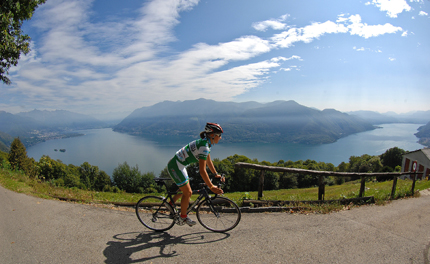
(155, 213)
(218, 214)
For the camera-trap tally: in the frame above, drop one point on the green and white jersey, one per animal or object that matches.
(191, 153)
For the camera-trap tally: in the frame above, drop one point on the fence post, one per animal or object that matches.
(261, 185)
(393, 190)
(413, 184)
(321, 188)
(362, 187)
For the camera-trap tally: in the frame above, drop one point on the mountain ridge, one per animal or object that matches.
(278, 121)
(37, 126)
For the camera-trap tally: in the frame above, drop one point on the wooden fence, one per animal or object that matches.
(322, 174)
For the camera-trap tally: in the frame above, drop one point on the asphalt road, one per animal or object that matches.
(35, 230)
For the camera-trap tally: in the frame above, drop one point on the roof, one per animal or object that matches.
(425, 151)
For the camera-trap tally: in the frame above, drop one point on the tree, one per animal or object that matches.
(393, 157)
(50, 169)
(127, 178)
(12, 40)
(17, 155)
(92, 177)
(19, 160)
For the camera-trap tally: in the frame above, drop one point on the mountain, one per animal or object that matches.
(112, 118)
(16, 125)
(424, 135)
(418, 117)
(36, 126)
(279, 121)
(61, 119)
(5, 141)
(375, 117)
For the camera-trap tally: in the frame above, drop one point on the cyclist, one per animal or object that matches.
(196, 151)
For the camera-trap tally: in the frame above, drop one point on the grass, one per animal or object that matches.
(18, 182)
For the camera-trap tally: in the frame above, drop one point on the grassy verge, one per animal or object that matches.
(18, 182)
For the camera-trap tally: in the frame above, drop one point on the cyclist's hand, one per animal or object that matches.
(216, 190)
(220, 176)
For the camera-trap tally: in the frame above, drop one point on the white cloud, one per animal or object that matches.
(422, 13)
(351, 24)
(124, 63)
(392, 7)
(356, 27)
(392, 59)
(306, 34)
(277, 24)
(367, 49)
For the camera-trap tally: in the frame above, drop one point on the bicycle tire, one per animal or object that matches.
(224, 216)
(155, 213)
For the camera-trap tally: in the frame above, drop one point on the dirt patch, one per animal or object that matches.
(425, 192)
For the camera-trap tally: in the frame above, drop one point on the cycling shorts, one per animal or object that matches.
(177, 172)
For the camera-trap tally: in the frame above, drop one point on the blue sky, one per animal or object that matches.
(101, 56)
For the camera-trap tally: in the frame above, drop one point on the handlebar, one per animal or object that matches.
(162, 181)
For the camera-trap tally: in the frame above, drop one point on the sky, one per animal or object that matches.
(106, 56)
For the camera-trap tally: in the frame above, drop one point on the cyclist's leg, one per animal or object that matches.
(176, 197)
(186, 196)
(178, 173)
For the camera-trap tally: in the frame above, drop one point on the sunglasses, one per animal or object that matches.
(219, 135)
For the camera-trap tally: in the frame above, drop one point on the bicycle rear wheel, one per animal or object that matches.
(218, 214)
(155, 213)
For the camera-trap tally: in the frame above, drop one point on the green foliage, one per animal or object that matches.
(392, 157)
(92, 177)
(131, 180)
(365, 163)
(18, 159)
(72, 180)
(3, 158)
(241, 179)
(12, 40)
(17, 155)
(50, 169)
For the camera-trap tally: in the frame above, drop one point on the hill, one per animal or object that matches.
(279, 121)
(424, 135)
(5, 141)
(375, 118)
(36, 126)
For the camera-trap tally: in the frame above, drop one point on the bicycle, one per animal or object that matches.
(217, 214)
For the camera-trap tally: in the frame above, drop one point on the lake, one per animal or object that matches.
(107, 149)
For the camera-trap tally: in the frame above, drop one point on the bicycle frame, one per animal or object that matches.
(209, 209)
(203, 195)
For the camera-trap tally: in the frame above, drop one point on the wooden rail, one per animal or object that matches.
(322, 174)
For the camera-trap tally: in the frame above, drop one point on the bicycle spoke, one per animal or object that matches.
(154, 213)
(219, 215)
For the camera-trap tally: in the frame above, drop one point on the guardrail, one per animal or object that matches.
(322, 174)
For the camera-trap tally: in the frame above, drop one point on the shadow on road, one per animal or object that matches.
(124, 245)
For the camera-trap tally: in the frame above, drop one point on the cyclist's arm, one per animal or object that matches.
(204, 173)
(211, 165)
(205, 177)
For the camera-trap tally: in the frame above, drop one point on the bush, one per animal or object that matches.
(19, 161)
(72, 180)
(131, 180)
(50, 169)
(92, 178)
